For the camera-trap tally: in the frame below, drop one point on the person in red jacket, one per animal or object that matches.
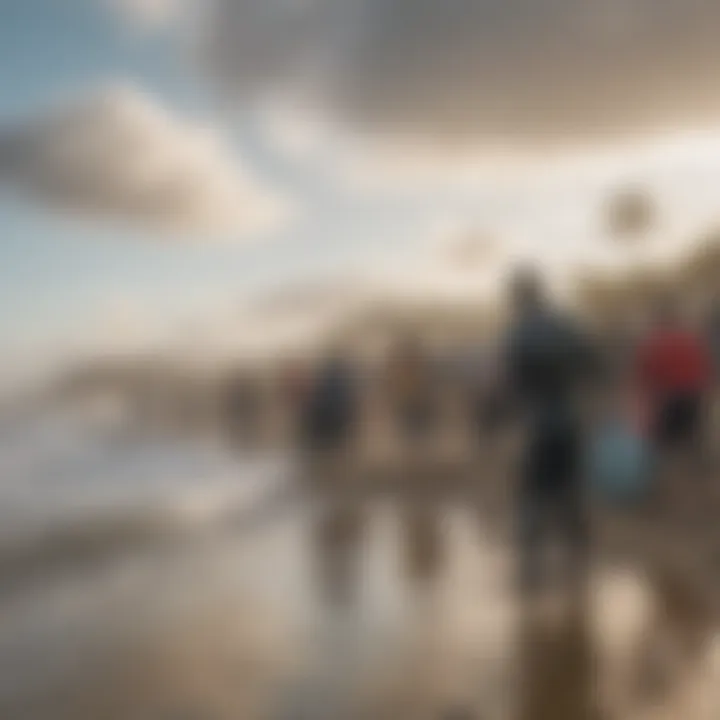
(674, 367)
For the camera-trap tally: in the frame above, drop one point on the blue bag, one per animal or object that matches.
(620, 464)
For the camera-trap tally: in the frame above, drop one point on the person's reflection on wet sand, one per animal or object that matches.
(422, 548)
(336, 553)
(338, 540)
(422, 545)
(677, 637)
(557, 664)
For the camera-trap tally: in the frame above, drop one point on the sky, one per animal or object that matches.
(163, 163)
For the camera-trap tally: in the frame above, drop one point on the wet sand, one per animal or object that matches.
(392, 600)
(368, 587)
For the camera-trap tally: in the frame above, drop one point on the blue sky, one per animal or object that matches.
(54, 270)
(49, 49)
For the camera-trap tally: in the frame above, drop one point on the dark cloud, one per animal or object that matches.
(515, 69)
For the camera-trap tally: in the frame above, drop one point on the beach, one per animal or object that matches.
(182, 581)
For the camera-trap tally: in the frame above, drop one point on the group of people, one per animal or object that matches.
(543, 376)
(658, 395)
(410, 387)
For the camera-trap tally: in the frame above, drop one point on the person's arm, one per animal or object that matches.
(512, 376)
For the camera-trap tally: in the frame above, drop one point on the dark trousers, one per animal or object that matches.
(552, 501)
(679, 421)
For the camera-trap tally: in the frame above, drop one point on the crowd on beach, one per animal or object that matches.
(415, 387)
(640, 395)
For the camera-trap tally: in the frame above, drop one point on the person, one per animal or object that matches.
(330, 412)
(487, 397)
(294, 382)
(549, 359)
(413, 393)
(674, 367)
(243, 407)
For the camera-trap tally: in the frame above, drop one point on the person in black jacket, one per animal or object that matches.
(331, 411)
(548, 358)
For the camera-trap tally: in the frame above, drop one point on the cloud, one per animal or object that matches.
(120, 153)
(540, 71)
(457, 262)
(148, 15)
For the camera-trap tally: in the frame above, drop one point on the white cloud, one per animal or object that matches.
(148, 14)
(458, 262)
(119, 152)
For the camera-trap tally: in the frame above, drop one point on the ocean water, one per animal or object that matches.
(57, 470)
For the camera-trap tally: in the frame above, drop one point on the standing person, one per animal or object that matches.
(413, 394)
(489, 396)
(295, 384)
(548, 360)
(293, 388)
(331, 411)
(674, 368)
(476, 384)
(473, 386)
(243, 408)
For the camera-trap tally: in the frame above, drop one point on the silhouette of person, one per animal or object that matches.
(549, 358)
(674, 366)
(413, 392)
(243, 407)
(422, 544)
(330, 419)
(338, 538)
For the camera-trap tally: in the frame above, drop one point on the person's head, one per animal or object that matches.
(527, 291)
